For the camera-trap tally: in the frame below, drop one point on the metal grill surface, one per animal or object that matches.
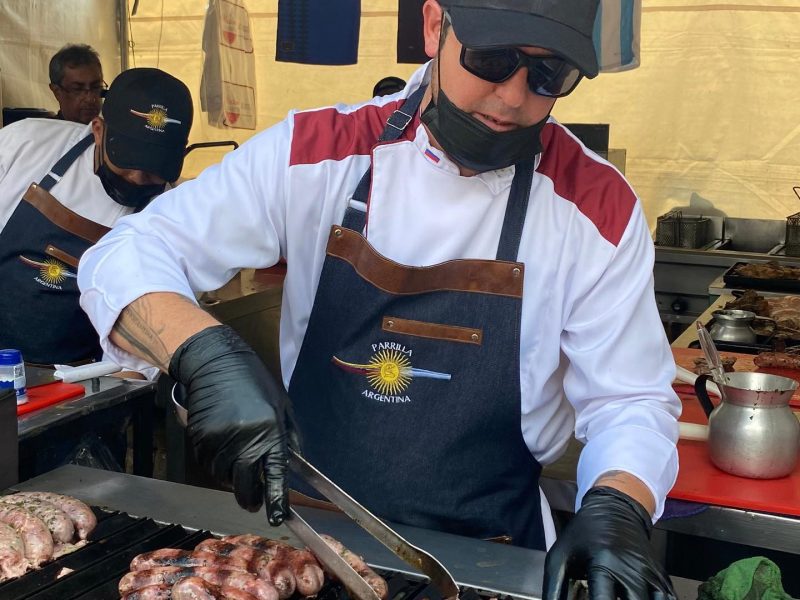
(93, 572)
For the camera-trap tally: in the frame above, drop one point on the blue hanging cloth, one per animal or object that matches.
(318, 32)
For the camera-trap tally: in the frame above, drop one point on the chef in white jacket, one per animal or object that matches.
(467, 284)
(62, 186)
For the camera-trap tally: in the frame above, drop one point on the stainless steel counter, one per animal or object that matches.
(488, 566)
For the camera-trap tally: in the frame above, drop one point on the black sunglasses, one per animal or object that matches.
(550, 76)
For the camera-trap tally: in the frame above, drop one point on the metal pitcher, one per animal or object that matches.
(733, 326)
(754, 432)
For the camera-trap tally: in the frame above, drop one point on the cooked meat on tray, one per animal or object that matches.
(768, 270)
(239, 567)
(36, 527)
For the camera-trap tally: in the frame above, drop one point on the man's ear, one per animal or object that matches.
(432, 15)
(98, 128)
(55, 89)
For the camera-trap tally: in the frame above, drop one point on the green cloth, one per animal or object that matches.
(756, 578)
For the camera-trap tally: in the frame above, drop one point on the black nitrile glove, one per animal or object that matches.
(607, 543)
(238, 419)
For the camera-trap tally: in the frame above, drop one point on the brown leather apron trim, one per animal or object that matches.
(500, 539)
(485, 276)
(436, 331)
(60, 215)
(61, 255)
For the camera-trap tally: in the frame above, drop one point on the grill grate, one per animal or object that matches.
(118, 537)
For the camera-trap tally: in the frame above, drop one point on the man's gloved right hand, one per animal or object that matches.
(238, 417)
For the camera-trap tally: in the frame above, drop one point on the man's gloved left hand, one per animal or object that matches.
(608, 544)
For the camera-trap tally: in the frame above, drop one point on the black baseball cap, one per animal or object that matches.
(562, 26)
(148, 115)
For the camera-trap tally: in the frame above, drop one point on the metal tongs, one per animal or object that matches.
(414, 556)
(712, 358)
(330, 559)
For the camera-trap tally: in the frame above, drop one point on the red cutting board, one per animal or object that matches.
(42, 396)
(700, 481)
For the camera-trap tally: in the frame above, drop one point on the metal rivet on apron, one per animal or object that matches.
(390, 323)
(337, 232)
(516, 271)
(474, 337)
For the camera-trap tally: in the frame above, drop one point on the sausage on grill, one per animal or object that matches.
(150, 592)
(35, 536)
(267, 545)
(171, 557)
(136, 580)
(375, 581)
(81, 515)
(195, 588)
(12, 553)
(247, 582)
(307, 571)
(57, 521)
(273, 570)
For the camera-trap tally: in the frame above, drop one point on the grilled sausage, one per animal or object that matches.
(35, 536)
(12, 553)
(81, 515)
(136, 580)
(171, 557)
(307, 572)
(241, 580)
(375, 581)
(195, 588)
(273, 570)
(150, 592)
(267, 545)
(780, 360)
(57, 521)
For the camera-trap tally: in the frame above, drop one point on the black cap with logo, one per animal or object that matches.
(562, 26)
(148, 115)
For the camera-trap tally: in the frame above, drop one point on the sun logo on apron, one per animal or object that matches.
(51, 271)
(389, 371)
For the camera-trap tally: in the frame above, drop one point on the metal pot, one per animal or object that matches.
(733, 326)
(753, 432)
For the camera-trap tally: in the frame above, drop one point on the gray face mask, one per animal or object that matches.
(475, 145)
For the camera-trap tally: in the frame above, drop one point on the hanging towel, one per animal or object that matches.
(410, 42)
(318, 32)
(617, 35)
(755, 578)
(228, 84)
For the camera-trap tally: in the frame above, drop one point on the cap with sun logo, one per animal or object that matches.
(148, 115)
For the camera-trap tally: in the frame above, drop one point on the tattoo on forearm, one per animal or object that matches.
(135, 327)
(611, 477)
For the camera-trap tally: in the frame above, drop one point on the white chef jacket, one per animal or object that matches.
(593, 354)
(28, 150)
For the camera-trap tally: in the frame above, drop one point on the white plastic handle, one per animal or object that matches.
(686, 376)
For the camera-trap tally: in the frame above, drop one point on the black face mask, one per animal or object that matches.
(124, 192)
(477, 146)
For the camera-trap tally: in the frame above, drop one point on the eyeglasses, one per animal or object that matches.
(98, 91)
(550, 76)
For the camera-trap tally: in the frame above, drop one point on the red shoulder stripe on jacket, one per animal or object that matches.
(596, 189)
(328, 134)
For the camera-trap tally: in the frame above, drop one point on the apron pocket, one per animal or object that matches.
(436, 331)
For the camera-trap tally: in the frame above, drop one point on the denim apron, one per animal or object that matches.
(40, 247)
(406, 390)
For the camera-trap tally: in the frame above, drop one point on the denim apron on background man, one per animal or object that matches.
(406, 390)
(40, 247)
